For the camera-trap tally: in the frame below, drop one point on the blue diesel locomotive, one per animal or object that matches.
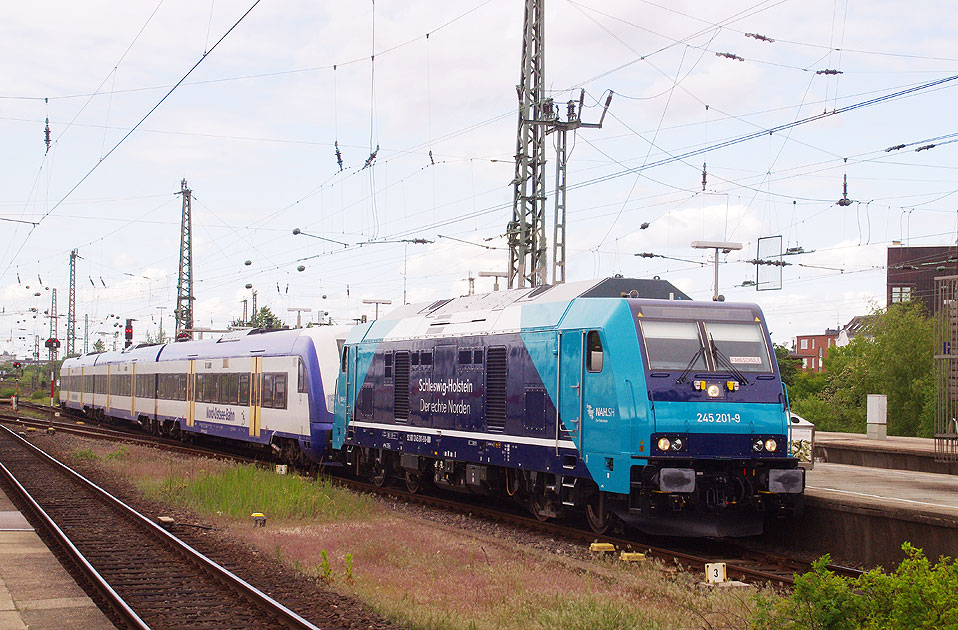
(616, 397)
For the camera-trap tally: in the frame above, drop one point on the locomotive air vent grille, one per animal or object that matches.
(366, 402)
(401, 390)
(496, 389)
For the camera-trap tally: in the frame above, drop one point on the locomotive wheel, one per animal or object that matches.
(413, 482)
(596, 514)
(537, 504)
(379, 474)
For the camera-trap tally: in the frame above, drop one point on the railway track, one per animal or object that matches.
(742, 563)
(148, 577)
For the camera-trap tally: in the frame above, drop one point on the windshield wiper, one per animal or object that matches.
(726, 362)
(688, 368)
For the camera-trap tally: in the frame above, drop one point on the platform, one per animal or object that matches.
(36, 592)
(865, 514)
(902, 453)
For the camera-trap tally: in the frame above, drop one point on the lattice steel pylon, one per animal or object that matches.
(526, 232)
(946, 368)
(72, 306)
(53, 324)
(184, 284)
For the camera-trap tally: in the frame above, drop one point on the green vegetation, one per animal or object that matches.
(263, 318)
(237, 491)
(917, 594)
(84, 455)
(589, 612)
(893, 355)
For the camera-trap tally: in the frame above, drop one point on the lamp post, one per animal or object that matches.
(299, 314)
(377, 303)
(725, 247)
(496, 275)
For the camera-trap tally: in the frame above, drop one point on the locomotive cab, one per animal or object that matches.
(717, 461)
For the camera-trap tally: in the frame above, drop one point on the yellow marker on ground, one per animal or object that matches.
(601, 547)
(631, 556)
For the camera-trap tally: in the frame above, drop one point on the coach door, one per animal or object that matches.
(571, 367)
(108, 389)
(133, 392)
(256, 396)
(190, 394)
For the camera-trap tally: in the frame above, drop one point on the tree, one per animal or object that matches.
(99, 346)
(263, 318)
(787, 366)
(892, 356)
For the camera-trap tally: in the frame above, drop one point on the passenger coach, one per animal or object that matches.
(256, 386)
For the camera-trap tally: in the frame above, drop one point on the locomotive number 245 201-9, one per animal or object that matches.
(718, 417)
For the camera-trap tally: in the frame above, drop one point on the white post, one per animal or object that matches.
(877, 411)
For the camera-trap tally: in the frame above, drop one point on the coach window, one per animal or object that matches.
(244, 389)
(267, 390)
(279, 385)
(301, 377)
(594, 349)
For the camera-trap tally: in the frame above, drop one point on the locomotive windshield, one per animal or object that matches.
(743, 345)
(673, 345)
(680, 345)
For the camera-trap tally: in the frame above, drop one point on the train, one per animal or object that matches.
(617, 400)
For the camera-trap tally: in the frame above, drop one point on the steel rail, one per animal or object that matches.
(288, 617)
(733, 569)
(113, 599)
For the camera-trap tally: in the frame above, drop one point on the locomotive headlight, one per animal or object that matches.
(713, 391)
(758, 445)
(698, 385)
(678, 444)
(664, 444)
(771, 445)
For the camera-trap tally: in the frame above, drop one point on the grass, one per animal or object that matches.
(237, 491)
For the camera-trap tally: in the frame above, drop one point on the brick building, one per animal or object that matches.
(911, 272)
(812, 349)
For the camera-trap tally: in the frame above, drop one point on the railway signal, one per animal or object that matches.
(128, 333)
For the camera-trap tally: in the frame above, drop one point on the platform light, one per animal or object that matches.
(771, 445)
(664, 443)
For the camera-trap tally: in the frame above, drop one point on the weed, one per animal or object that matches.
(349, 567)
(121, 453)
(84, 455)
(327, 571)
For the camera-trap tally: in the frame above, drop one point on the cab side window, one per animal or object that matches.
(594, 352)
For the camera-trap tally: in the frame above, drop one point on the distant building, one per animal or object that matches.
(812, 349)
(911, 272)
(856, 326)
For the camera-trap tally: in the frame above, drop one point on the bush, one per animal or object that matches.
(916, 595)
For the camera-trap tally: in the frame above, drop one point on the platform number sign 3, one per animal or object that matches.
(715, 572)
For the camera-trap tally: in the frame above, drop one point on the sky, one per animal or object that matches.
(248, 106)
